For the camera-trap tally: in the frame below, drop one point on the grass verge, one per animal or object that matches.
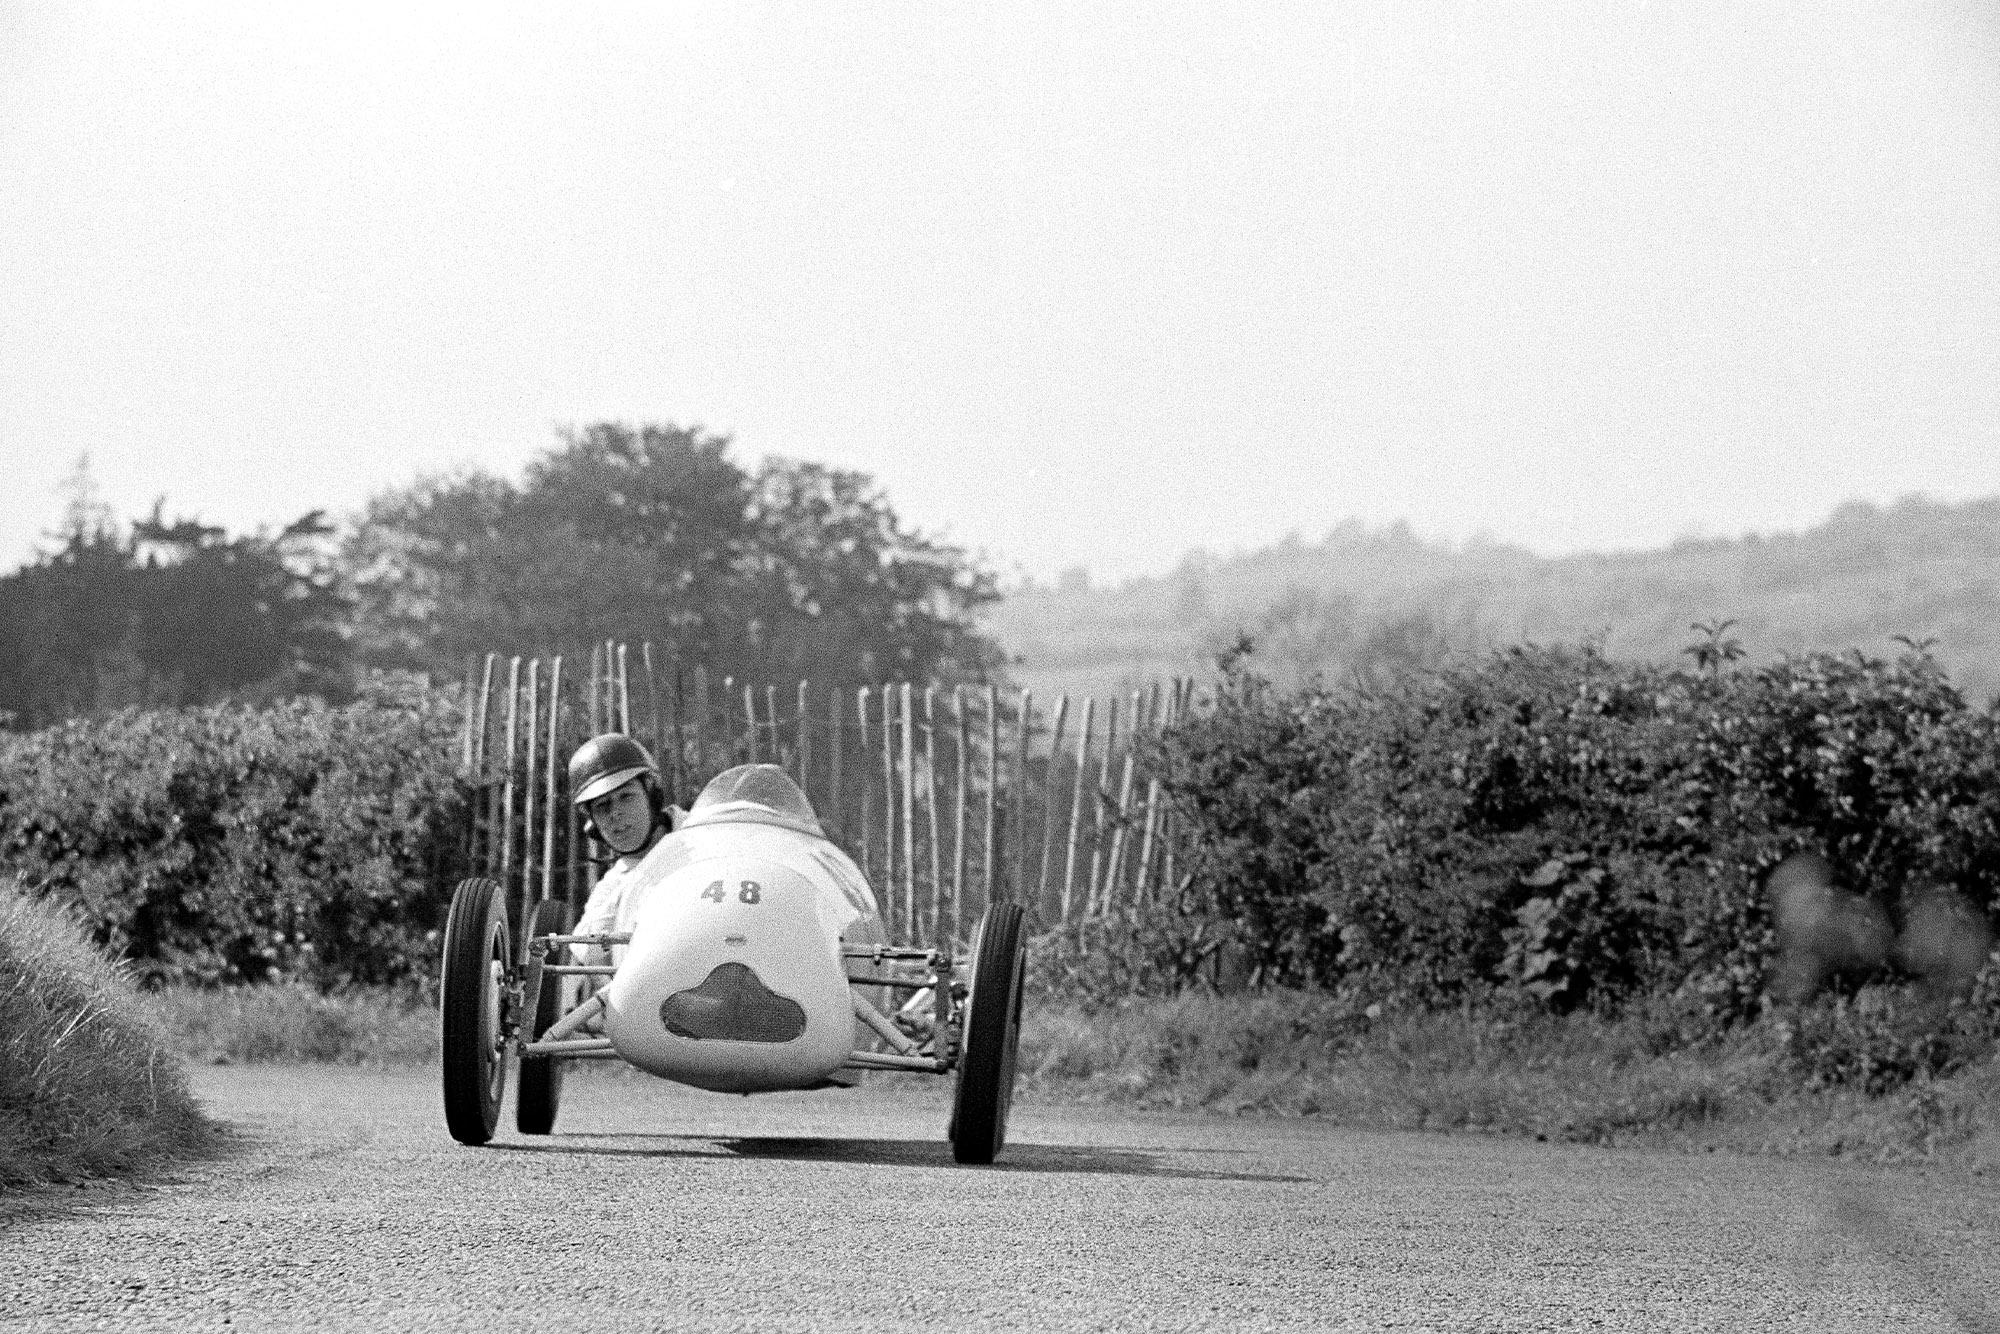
(293, 1023)
(1577, 1078)
(89, 1086)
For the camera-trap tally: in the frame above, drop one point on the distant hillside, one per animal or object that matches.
(1368, 603)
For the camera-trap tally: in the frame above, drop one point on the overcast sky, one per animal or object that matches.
(1077, 284)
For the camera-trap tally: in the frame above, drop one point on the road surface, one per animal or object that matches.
(657, 1207)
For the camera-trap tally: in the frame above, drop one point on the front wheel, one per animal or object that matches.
(473, 1020)
(538, 1092)
(992, 1037)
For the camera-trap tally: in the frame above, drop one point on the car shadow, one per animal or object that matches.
(1060, 1158)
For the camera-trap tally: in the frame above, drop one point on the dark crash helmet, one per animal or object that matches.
(606, 763)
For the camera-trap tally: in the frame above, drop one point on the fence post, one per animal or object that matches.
(465, 732)
(771, 722)
(652, 696)
(482, 805)
(889, 797)
(610, 695)
(700, 774)
(613, 718)
(677, 725)
(1018, 795)
(867, 792)
(835, 725)
(1103, 801)
(1179, 703)
(802, 747)
(528, 787)
(676, 728)
(1156, 722)
(549, 806)
(624, 695)
(572, 831)
(910, 924)
(958, 816)
(507, 780)
(992, 779)
(1076, 809)
(596, 677)
(930, 805)
(1049, 802)
(1114, 879)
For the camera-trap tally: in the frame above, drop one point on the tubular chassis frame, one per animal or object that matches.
(938, 1056)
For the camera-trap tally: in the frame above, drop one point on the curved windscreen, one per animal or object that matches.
(761, 793)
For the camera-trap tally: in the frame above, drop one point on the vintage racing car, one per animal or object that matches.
(756, 961)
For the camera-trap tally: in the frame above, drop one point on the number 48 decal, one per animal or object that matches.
(747, 891)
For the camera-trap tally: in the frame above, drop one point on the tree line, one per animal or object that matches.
(788, 569)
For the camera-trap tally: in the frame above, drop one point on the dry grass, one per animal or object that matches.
(88, 1085)
(298, 1024)
(1578, 1078)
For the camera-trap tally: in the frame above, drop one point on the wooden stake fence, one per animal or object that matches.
(956, 801)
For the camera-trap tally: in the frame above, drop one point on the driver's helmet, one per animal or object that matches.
(605, 764)
(758, 794)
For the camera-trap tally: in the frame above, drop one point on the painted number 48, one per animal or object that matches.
(747, 891)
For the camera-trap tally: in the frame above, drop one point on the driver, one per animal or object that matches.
(615, 784)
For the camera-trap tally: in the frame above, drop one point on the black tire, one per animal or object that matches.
(992, 1037)
(538, 1088)
(476, 958)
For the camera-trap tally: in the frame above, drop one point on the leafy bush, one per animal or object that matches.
(226, 843)
(1152, 949)
(1880, 1038)
(1572, 828)
(1250, 781)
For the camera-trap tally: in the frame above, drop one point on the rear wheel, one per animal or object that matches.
(992, 1037)
(473, 1021)
(538, 1092)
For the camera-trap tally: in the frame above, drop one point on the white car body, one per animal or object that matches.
(734, 979)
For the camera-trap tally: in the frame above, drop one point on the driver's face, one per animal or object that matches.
(623, 816)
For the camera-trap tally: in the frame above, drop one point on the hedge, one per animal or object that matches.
(1542, 822)
(228, 843)
(1574, 829)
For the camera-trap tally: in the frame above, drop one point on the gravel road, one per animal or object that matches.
(662, 1208)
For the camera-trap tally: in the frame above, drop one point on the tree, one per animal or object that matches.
(168, 613)
(654, 533)
(221, 615)
(843, 589)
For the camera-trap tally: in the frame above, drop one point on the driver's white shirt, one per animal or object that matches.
(605, 911)
(611, 905)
